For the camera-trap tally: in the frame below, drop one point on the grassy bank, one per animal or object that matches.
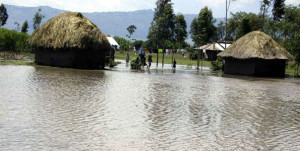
(13, 58)
(168, 58)
(25, 58)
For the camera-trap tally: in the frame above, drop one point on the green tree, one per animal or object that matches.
(3, 15)
(124, 43)
(37, 19)
(203, 28)
(180, 32)
(25, 27)
(131, 29)
(278, 9)
(138, 43)
(162, 27)
(241, 23)
(244, 27)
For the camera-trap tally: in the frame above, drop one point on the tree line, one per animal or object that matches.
(16, 40)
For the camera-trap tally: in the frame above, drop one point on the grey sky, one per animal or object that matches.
(182, 6)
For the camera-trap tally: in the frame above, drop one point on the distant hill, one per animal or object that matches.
(113, 23)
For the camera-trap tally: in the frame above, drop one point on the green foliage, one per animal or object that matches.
(25, 27)
(244, 27)
(241, 23)
(162, 27)
(131, 29)
(14, 41)
(3, 15)
(136, 64)
(203, 28)
(112, 63)
(180, 32)
(278, 9)
(124, 43)
(37, 19)
(138, 44)
(217, 65)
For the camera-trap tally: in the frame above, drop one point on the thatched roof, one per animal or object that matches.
(68, 30)
(256, 45)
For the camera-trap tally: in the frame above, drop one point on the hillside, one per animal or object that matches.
(113, 23)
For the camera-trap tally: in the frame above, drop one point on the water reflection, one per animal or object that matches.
(63, 109)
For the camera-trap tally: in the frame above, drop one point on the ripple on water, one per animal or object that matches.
(65, 109)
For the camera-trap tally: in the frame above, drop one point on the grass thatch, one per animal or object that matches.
(68, 30)
(256, 45)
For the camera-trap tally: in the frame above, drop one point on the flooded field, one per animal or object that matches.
(44, 108)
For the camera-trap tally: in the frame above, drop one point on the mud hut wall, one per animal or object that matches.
(269, 68)
(212, 55)
(50, 57)
(92, 57)
(255, 67)
(71, 57)
(239, 67)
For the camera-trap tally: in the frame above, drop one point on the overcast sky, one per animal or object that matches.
(182, 6)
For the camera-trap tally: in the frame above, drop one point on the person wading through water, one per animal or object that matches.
(149, 59)
(127, 58)
(174, 64)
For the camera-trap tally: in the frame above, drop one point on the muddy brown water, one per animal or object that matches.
(45, 108)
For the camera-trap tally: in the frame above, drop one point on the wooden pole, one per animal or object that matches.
(172, 55)
(163, 60)
(198, 59)
(157, 57)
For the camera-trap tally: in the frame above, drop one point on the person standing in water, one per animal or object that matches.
(174, 63)
(127, 58)
(149, 59)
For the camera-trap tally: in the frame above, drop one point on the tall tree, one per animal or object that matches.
(278, 9)
(37, 19)
(244, 27)
(3, 15)
(241, 23)
(203, 28)
(162, 27)
(131, 29)
(25, 27)
(180, 32)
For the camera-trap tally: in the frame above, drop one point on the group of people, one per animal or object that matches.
(142, 57)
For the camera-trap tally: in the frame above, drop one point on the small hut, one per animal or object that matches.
(113, 42)
(70, 40)
(256, 54)
(211, 50)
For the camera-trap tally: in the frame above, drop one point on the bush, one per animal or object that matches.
(217, 65)
(112, 63)
(14, 41)
(136, 64)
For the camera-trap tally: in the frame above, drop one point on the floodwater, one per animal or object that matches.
(45, 108)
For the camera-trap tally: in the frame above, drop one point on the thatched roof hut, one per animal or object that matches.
(70, 40)
(211, 50)
(256, 54)
(256, 45)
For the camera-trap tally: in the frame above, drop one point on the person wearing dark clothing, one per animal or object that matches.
(127, 58)
(149, 59)
(174, 63)
(143, 59)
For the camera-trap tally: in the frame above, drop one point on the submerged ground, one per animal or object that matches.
(45, 108)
